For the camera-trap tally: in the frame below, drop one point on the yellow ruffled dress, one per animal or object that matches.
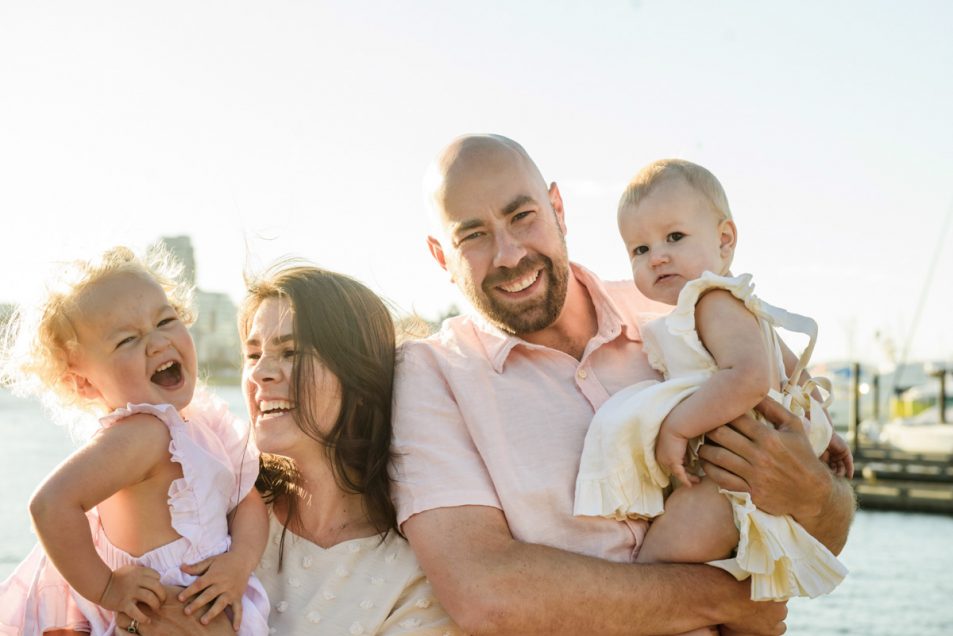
(619, 477)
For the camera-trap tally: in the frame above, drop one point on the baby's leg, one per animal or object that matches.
(697, 526)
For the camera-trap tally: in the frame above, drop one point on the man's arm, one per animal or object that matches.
(779, 469)
(490, 583)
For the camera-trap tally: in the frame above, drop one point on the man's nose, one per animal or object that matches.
(509, 250)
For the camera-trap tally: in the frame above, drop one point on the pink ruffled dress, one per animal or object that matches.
(219, 467)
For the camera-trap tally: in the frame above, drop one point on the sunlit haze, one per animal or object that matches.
(290, 128)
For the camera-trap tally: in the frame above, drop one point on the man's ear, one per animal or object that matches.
(556, 200)
(436, 250)
(81, 385)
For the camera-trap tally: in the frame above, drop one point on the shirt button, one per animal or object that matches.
(582, 374)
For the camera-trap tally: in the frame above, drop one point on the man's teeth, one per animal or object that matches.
(267, 406)
(521, 283)
(165, 366)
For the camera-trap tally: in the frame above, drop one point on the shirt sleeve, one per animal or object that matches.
(437, 464)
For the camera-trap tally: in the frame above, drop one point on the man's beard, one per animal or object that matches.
(528, 316)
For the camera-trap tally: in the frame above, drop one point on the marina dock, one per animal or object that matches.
(890, 479)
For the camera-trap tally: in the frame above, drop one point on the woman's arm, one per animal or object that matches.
(733, 337)
(116, 458)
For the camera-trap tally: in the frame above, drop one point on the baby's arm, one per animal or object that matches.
(732, 335)
(224, 578)
(118, 457)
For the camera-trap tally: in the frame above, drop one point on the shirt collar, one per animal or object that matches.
(610, 323)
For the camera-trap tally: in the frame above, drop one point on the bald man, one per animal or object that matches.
(492, 411)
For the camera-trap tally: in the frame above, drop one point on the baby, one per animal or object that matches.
(164, 482)
(720, 356)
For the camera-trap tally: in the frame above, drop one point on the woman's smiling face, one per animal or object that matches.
(270, 354)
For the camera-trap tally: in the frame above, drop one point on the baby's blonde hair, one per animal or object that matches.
(663, 170)
(37, 341)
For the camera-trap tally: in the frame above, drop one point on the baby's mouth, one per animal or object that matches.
(168, 375)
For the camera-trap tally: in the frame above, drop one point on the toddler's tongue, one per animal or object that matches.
(168, 377)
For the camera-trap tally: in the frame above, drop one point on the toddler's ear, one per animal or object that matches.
(729, 235)
(80, 385)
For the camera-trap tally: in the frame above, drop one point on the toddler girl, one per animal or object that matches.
(159, 482)
(720, 356)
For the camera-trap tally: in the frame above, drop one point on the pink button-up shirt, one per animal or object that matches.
(485, 418)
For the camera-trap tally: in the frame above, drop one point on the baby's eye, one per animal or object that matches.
(166, 321)
(125, 341)
(641, 249)
(674, 237)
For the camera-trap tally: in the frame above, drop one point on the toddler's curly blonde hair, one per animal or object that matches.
(36, 343)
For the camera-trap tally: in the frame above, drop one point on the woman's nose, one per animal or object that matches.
(266, 370)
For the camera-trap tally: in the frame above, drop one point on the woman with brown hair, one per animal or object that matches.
(318, 372)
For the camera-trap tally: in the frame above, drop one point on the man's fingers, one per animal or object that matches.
(724, 479)
(778, 415)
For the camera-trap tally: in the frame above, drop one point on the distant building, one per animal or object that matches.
(181, 248)
(216, 334)
(214, 331)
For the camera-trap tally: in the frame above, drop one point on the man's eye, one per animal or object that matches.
(519, 216)
(471, 236)
(674, 237)
(641, 249)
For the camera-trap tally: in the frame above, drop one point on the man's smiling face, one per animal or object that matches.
(503, 242)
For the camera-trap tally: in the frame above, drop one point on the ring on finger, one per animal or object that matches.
(133, 627)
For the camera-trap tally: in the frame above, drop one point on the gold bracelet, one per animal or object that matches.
(106, 589)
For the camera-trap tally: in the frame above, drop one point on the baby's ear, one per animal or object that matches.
(729, 235)
(80, 385)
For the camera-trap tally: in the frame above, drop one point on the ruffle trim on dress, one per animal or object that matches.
(184, 505)
(622, 495)
(781, 557)
(681, 322)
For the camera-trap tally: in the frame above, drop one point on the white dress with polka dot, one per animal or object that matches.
(362, 586)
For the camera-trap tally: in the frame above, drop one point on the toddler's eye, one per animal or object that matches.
(641, 249)
(165, 321)
(125, 341)
(675, 237)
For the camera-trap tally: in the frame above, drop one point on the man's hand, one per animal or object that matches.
(778, 467)
(171, 620)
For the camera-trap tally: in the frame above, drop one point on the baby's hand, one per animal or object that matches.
(133, 584)
(223, 578)
(670, 451)
(838, 457)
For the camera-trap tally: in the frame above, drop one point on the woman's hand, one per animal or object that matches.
(222, 579)
(130, 585)
(171, 620)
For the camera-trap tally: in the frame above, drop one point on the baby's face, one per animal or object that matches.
(133, 347)
(672, 236)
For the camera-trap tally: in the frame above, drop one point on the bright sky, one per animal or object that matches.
(266, 129)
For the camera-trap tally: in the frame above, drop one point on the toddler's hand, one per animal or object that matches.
(670, 451)
(133, 584)
(838, 457)
(223, 578)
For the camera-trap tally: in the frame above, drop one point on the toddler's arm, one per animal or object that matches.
(732, 335)
(224, 578)
(117, 458)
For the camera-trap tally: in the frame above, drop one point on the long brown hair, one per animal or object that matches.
(349, 329)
